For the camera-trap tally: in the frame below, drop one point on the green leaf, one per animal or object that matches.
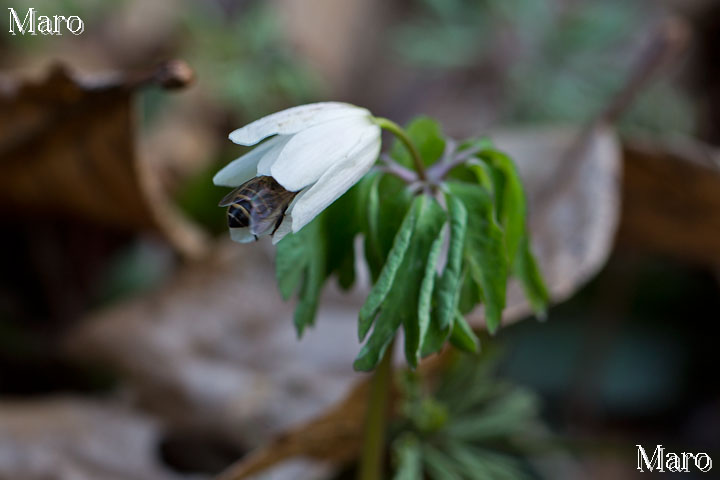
(462, 335)
(290, 263)
(381, 336)
(439, 466)
(408, 458)
(345, 219)
(387, 276)
(448, 292)
(314, 278)
(400, 304)
(373, 252)
(481, 464)
(382, 224)
(434, 338)
(512, 214)
(486, 177)
(426, 288)
(301, 257)
(527, 270)
(509, 198)
(508, 415)
(484, 250)
(342, 222)
(472, 468)
(476, 144)
(421, 257)
(501, 467)
(427, 136)
(448, 288)
(469, 294)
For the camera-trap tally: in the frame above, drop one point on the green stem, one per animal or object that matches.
(401, 134)
(371, 460)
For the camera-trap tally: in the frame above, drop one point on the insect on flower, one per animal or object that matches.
(315, 153)
(258, 204)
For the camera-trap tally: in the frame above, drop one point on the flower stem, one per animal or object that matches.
(402, 135)
(371, 460)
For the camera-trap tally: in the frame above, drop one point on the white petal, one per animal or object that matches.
(337, 180)
(242, 235)
(312, 152)
(284, 228)
(294, 120)
(263, 167)
(244, 168)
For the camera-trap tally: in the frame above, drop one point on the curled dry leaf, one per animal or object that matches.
(68, 147)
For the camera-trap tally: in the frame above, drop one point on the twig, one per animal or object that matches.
(671, 38)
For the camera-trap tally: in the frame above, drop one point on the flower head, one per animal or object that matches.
(316, 151)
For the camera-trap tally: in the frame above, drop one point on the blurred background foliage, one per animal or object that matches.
(253, 66)
(628, 360)
(538, 62)
(471, 425)
(561, 62)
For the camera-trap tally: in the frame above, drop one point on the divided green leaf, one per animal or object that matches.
(342, 223)
(408, 458)
(426, 289)
(462, 335)
(300, 260)
(528, 272)
(401, 301)
(487, 239)
(426, 134)
(484, 250)
(448, 292)
(512, 215)
(387, 276)
(509, 198)
(382, 223)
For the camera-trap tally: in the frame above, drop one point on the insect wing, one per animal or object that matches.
(259, 224)
(267, 208)
(229, 199)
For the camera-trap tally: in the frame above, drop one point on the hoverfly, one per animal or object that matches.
(260, 203)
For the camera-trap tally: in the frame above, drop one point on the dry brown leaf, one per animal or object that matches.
(335, 437)
(73, 439)
(67, 147)
(671, 199)
(215, 349)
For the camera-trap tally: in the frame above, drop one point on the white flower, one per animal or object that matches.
(319, 150)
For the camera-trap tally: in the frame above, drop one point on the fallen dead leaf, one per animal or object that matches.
(573, 193)
(671, 199)
(68, 147)
(68, 438)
